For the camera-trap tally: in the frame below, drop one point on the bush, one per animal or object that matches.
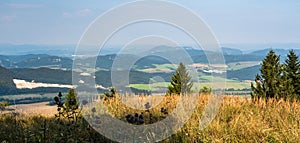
(3, 105)
(205, 90)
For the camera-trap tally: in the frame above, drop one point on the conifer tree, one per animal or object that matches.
(292, 67)
(180, 82)
(259, 90)
(268, 83)
(286, 87)
(71, 102)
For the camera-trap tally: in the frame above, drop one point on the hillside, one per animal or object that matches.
(6, 81)
(103, 77)
(45, 61)
(35, 60)
(7, 86)
(44, 75)
(248, 73)
(231, 51)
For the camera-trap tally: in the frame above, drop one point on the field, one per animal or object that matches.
(241, 65)
(27, 98)
(160, 68)
(203, 81)
(41, 108)
(23, 96)
(238, 120)
(172, 67)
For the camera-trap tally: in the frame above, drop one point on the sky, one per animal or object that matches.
(54, 22)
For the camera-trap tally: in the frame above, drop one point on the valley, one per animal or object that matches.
(42, 73)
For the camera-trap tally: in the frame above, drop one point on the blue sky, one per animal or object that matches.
(232, 21)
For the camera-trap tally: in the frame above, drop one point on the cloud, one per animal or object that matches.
(19, 5)
(80, 13)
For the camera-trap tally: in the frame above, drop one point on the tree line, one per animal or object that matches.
(278, 80)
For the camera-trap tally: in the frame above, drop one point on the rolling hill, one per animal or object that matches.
(247, 73)
(44, 75)
(55, 69)
(33, 61)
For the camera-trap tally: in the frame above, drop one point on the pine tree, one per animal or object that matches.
(286, 86)
(268, 83)
(259, 90)
(180, 82)
(71, 102)
(292, 67)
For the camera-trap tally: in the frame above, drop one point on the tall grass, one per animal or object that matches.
(238, 120)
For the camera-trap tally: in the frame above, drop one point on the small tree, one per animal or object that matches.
(68, 108)
(268, 83)
(180, 82)
(71, 100)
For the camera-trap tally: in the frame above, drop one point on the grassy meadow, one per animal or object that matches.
(239, 119)
(205, 81)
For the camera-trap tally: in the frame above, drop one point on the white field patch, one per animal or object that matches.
(210, 68)
(22, 84)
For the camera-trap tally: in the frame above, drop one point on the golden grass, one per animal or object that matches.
(35, 109)
(239, 119)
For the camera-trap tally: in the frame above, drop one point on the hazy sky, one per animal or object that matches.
(232, 21)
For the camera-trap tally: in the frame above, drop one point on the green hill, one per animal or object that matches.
(6, 81)
(244, 74)
(44, 75)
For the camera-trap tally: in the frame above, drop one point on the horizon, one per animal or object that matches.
(244, 47)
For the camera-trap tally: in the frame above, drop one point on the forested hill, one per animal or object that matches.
(34, 61)
(7, 85)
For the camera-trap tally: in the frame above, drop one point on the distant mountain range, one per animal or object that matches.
(56, 68)
(68, 50)
(105, 61)
(33, 61)
(26, 49)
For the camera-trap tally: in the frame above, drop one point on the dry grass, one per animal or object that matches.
(238, 120)
(41, 108)
(242, 120)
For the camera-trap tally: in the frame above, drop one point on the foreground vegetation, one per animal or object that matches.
(239, 120)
